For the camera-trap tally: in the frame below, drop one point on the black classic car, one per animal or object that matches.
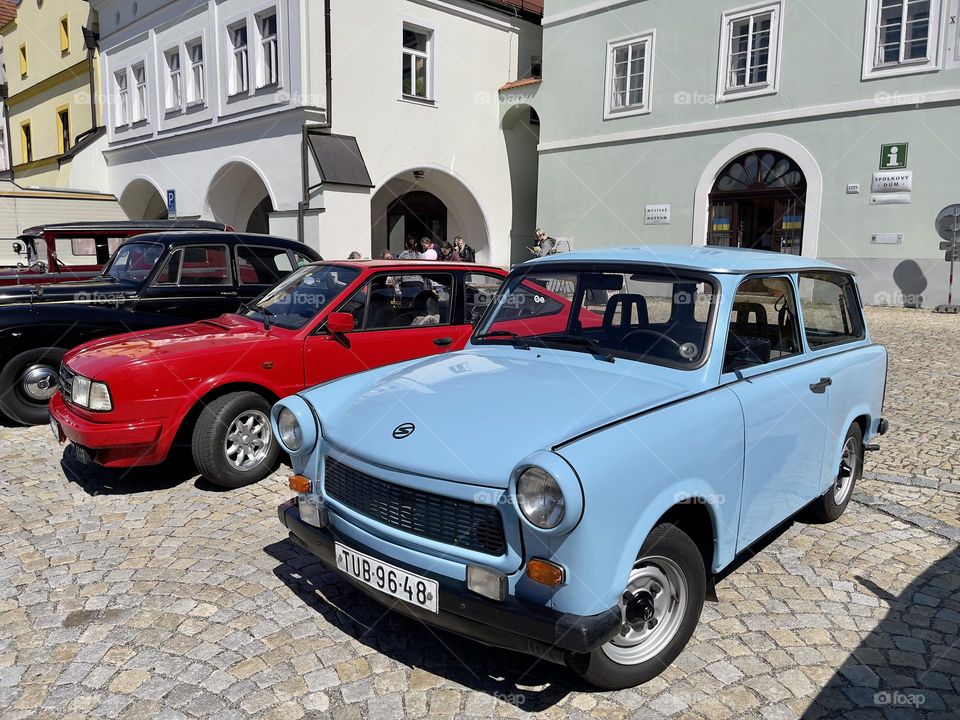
(150, 281)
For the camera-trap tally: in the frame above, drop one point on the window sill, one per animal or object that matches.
(413, 100)
(170, 112)
(626, 112)
(744, 93)
(899, 70)
(139, 123)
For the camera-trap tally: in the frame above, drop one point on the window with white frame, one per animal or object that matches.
(140, 92)
(239, 59)
(196, 81)
(629, 76)
(902, 36)
(416, 69)
(750, 51)
(268, 71)
(121, 99)
(174, 79)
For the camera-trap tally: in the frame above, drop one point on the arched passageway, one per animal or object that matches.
(239, 197)
(141, 200)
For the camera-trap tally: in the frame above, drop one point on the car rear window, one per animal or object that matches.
(831, 309)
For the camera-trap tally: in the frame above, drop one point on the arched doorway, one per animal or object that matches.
(416, 214)
(239, 197)
(521, 134)
(758, 201)
(429, 201)
(140, 200)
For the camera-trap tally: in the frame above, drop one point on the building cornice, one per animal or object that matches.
(74, 72)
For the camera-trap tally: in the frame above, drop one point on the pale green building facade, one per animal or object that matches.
(822, 128)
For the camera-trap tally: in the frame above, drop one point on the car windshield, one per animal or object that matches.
(133, 262)
(301, 296)
(650, 314)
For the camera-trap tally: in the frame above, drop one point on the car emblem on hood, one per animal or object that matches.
(404, 430)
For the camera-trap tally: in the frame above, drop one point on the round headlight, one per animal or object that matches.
(540, 498)
(290, 433)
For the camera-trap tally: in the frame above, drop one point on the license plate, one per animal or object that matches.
(386, 578)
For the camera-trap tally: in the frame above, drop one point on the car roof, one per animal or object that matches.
(229, 238)
(410, 267)
(736, 261)
(95, 226)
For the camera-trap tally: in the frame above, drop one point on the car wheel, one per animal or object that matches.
(27, 383)
(233, 443)
(829, 506)
(661, 606)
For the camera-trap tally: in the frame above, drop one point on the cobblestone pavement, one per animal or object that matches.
(155, 595)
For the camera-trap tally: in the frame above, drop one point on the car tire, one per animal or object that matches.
(27, 382)
(233, 443)
(830, 506)
(669, 561)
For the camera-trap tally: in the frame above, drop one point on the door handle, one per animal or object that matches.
(442, 342)
(229, 293)
(821, 387)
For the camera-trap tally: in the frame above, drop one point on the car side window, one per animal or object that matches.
(401, 301)
(480, 289)
(205, 265)
(261, 265)
(831, 309)
(763, 324)
(170, 272)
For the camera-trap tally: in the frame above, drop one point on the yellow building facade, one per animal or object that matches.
(52, 69)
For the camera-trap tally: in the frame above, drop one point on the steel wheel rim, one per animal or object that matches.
(638, 642)
(39, 382)
(248, 440)
(847, 473)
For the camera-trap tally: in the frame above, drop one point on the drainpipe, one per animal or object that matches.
(90, 39)
(8, 145)
(325, 125)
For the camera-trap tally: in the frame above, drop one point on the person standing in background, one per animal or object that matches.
(466, 253)
(428, 251)
(410, 251)
(545, 245)
(447, 252)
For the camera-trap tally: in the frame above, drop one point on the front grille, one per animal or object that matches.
(446, 520)
(66, 382)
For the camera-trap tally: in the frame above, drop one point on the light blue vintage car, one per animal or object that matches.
(621, 426)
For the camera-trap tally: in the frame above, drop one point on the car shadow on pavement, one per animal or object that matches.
(98, 480)
(909, 664)
(530, 684)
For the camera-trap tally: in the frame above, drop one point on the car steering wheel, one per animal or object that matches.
(657, 333)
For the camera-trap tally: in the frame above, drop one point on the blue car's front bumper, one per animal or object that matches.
(512, 624)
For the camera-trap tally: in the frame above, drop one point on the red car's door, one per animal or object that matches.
(397, 318)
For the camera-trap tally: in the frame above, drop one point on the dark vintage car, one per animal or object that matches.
(150, 281)
(62, 252)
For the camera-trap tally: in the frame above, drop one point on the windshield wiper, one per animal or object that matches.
(516, 340)
(595, 348)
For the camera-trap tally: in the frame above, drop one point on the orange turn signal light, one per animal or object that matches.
(299, 484)
(545, 572)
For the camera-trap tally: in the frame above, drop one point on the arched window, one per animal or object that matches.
(757, 202)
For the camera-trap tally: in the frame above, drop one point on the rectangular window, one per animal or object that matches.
(416, 65)
(750, 52)
(205, 265)
(902, 36)
(63, 130)
(260, 265)
(269, 72)
(83, 247)
(140, 94)
(64, 35)
(831, 309)
(402, 301)
(629, 74)
(196, 85)
(174, 80)
(26, 142)
(763, 325)
(23, 60)
(122, 102)
(239, 63)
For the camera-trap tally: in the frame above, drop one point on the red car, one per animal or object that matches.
(127, 400)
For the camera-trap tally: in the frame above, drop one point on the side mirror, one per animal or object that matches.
(340, 322)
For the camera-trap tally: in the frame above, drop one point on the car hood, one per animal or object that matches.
(197, 340)
(479, 412)
(80, 291)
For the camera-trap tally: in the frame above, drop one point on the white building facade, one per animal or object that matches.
(349, 123)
